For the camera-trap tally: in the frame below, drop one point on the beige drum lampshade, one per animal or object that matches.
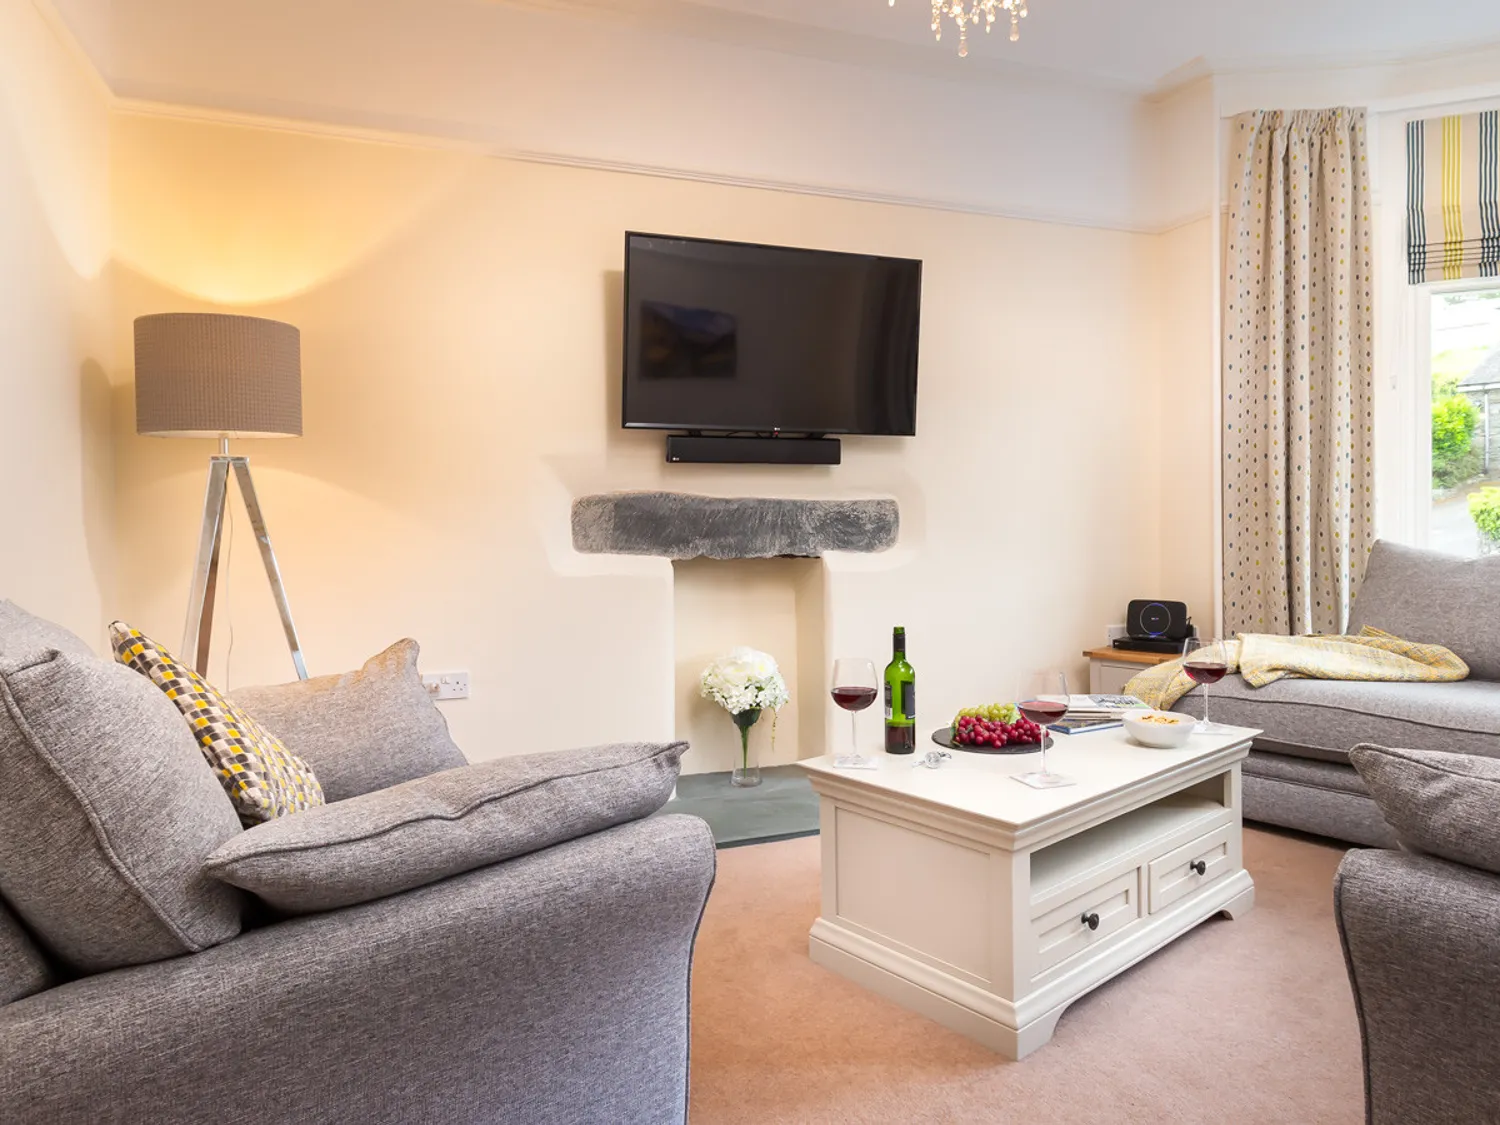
(215, 375)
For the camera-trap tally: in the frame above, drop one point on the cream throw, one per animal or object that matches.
(1263, 659)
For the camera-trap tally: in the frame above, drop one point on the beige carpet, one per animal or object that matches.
(1245, 1021)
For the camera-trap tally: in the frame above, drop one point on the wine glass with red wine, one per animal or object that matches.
(854, 689)
(1043, 698)
(1205, 662)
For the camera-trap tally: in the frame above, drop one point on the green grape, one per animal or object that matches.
(1002, 713)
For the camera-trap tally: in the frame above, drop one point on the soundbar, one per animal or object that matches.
(697, 449)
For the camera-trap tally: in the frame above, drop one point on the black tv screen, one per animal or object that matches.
(733, 337)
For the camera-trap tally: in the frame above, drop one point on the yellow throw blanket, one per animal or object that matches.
(1263, 659)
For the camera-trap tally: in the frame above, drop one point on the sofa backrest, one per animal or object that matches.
(25, 632)
(1434, 599)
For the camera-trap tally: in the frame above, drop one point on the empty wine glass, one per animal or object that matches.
(1205, 662)
(854, 689)
(1043, 699)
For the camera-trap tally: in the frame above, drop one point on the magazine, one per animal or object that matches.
(1103, 706)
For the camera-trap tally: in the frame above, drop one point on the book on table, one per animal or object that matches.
(1103, 706)
(1072, 725)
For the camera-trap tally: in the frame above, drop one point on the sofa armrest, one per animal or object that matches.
(552, 988)
(1422, 944)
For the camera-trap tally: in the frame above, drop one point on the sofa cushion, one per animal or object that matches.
(22, 632)
(1322, 718)
(264, 780)
(1442, 804)
(1323, 798)
(106, 815)
(416, 833)
(1434, 599)
(23, 969)
(1331, 777)
(361, 731)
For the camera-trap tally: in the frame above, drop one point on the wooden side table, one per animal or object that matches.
(1110, 669)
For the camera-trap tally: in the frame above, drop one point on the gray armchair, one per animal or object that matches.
(548, 988)
(1422, 943)
(502, 942)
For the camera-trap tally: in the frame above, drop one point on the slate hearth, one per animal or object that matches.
(677, 525)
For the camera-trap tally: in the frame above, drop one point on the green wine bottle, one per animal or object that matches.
(900, 699)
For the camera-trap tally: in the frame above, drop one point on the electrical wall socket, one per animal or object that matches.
(446, 685)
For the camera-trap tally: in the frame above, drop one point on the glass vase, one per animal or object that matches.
(746, 774)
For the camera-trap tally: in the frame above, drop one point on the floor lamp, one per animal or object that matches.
(211, 375)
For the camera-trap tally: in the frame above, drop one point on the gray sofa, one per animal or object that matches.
(1298, 773)
(1422, 944)
(1421, 934)
(549, 987)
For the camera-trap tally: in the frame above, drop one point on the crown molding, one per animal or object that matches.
(1368, 60)
(480, 149)
(431, 135)
(307, 127)
(705, 22)
(70, 44)
(1188, 74)
(1182, 222)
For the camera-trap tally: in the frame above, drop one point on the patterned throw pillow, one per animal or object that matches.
(263, 779)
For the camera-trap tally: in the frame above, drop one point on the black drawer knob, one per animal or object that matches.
(1198, 867)
(1091, 921)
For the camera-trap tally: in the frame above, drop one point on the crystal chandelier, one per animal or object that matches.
(968, 13)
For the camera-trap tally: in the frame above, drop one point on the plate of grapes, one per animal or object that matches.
(996, 728)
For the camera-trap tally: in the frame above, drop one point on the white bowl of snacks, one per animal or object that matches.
(1165, 730)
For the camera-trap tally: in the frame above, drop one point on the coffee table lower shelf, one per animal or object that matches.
(993, 929)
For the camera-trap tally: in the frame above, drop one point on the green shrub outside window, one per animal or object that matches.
(1484, 509)
(1454, 458)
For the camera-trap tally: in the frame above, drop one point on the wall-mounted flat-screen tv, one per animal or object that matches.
(729, 337)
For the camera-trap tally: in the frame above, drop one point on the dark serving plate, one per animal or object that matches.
(944, 738)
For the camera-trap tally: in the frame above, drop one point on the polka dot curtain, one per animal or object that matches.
(1298, 371)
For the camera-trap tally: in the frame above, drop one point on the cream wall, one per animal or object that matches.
(1189, 410)
(460, 318)
(1185, 135)
(55, 517)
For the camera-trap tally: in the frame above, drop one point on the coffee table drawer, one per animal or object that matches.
(1065, 930)
(1182, 871)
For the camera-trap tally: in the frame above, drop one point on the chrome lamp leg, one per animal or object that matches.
(200, 621)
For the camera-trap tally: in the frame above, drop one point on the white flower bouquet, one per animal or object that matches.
(745, 682)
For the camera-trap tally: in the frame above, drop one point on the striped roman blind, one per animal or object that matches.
(1452, 210)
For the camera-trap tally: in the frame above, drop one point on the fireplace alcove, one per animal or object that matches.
(746, 571)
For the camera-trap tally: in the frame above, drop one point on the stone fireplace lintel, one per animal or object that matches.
(677, 525)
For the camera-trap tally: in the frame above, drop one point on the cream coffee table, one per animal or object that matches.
(990, 906)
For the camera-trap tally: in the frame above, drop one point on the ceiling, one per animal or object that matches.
(1141, 42)
(1132, 44)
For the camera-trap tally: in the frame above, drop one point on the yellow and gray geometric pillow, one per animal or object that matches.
(263, 778)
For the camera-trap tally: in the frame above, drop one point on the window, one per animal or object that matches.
(1465, 442)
